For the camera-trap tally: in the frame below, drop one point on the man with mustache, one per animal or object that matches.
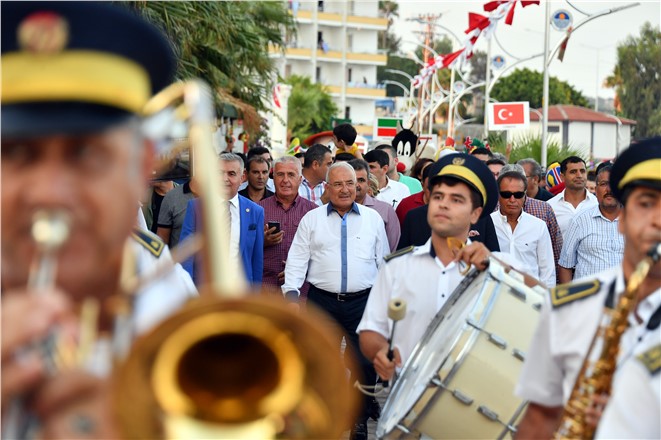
(575, 196)
(593, 242)
(573, 312)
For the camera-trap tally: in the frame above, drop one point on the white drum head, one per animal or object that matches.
(429, 355)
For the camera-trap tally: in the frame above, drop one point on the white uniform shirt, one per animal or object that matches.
(635, 404)
(155, 302)
(420, 279)
(563, 337)
(317, 250)
(564, 211)
(393, 193)
(530, 243)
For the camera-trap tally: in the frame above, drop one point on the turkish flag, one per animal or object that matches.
(506, 114)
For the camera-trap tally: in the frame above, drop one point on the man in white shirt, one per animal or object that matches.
(338, 249)
(519, 233)
(390, 191)
(462, 190)
(575, 196)
(572, 314)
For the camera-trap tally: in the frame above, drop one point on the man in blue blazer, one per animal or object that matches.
(247, 224)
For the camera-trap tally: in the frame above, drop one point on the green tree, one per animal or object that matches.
(531, 146)
(636, 79)
(526, 85)
(310, 107)
(230, 54)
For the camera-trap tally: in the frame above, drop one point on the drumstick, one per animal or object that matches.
(396, 312)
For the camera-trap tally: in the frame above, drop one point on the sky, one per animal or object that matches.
(595, 40)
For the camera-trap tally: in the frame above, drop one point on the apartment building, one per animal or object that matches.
(337, 46)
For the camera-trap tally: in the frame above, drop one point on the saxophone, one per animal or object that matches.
(595, 379)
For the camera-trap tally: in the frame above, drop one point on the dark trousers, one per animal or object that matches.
(348, 315)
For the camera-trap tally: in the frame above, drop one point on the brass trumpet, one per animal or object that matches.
(228, 365)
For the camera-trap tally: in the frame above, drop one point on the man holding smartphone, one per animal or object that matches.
(282, 213)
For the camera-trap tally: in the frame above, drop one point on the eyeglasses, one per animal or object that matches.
(508, 194)
(340, 185)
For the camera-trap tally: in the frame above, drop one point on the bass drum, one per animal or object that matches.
(459, 381)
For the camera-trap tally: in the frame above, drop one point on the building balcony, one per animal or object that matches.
(333, 56)
(334, 19)
(359, 90)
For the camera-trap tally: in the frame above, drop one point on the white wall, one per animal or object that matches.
(365, 41)
(362, 110)
(364, 8)
(579, 136)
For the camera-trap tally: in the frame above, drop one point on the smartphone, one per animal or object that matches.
(274, 224)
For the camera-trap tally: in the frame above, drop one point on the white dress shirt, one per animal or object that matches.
(530, 243)
(393, 192)
(565, 211)
(317, 250)
(235, 227)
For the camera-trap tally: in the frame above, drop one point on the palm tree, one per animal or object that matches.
(225, 43)
(389, 9)
(310, 107)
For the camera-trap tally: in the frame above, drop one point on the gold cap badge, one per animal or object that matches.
(43, 32)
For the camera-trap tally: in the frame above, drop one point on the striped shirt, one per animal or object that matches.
(313, 194)
(592, 244)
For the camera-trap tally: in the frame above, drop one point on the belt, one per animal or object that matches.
(347, 296)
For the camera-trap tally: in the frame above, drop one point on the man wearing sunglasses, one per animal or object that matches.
(526, 237)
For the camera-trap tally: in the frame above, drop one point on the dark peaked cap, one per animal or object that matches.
(472, 172)
(638, 165)
(77, 66)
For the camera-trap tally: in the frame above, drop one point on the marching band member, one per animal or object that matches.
(572, 315)
(462, 190)
(74, 78)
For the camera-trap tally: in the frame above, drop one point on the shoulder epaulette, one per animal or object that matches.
(149, 241)
(399, 253)
(566, 293)
(651, 359)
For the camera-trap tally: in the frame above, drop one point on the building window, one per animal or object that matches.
(287, 70)
(317, 75)
(320, 5)
(349, 74)
(347, 112)
(553, 129)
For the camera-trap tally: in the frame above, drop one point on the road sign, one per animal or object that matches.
(508, 115)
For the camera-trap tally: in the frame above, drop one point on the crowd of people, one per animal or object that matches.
(336, 228)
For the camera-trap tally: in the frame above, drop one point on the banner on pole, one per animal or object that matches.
(508, 115)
